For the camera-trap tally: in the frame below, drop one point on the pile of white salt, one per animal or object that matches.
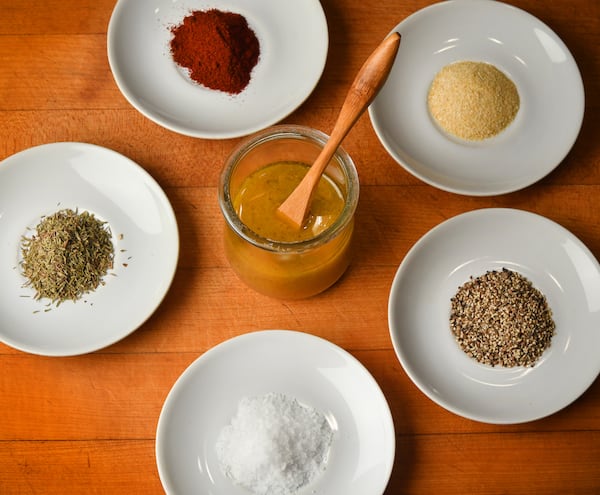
(274, 445)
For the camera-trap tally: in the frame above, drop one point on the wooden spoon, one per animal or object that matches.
(365, 87)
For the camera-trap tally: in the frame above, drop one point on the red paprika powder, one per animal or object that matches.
(218, 48)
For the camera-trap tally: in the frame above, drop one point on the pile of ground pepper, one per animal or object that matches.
(67, 256)
(500, 318)
(472, 100)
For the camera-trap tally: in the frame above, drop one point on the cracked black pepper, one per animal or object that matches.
(501, 319)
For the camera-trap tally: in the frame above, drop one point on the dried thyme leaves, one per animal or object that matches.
(67, 256)
(500, 318)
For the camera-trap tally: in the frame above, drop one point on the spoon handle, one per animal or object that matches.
(363, 90)
(365, 87)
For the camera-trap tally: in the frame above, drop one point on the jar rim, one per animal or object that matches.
(290, 131)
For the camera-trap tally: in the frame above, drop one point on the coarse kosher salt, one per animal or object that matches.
(274, 445)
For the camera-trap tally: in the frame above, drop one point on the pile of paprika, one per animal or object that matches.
(218, 49)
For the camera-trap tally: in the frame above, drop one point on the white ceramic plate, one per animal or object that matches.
(528, 51)
(555, 261)
(293, 39)
(314, 371)
(44, 179)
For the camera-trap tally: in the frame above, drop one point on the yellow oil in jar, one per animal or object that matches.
(267, 188)
(291, 269)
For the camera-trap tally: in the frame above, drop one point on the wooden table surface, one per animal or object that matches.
(87, 424)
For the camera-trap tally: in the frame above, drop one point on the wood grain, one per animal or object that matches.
(87, 424)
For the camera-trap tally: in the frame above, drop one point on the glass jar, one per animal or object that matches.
(287, 270)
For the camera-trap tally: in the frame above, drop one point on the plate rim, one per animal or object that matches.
(257, 335)
(477, 190)
(125, 87)
(409, 369)
(66, 351)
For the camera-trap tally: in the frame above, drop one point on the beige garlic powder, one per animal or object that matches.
(472, 100)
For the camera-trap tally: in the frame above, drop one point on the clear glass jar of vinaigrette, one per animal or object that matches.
(267, 252)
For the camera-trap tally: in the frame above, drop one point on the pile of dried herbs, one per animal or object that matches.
(67, 256)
